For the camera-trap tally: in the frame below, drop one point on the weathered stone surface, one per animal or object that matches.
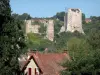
(35, 28)
(31, 28)
(73, 21)
(50, 30)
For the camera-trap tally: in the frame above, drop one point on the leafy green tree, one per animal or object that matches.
(94, 24)
(43, 29)
(57, 26)
(11, 41)
(16, 16)
(82, 60)
(60, 15)
(95, 19)
(94, 38)
(35, 41)
(84, 55)
(24, 16)
(83, 18)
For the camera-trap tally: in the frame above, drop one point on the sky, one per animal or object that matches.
(48, 8)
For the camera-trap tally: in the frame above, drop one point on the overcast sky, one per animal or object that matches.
(48, 8)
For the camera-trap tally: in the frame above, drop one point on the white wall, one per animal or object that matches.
(31, 65)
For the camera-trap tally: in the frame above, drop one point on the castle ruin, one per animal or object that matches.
(72, 21)
(32, 27)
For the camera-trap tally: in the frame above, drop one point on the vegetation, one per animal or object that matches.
(12, 42)
(84, 52)
(59, 15)
(36, 23)
(35, 41)
(43, 30)
(24, 16)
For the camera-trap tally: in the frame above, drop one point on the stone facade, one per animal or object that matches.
(35, 28)
(73, 21)
(31, 28)
(50, 30)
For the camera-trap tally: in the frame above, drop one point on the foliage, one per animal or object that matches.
(36, 23)
(35, 41)
(24, 16)
(43, 29)
(84, 52)
(62, 38)
(57, 26)
(81, 57)
(59, 15)
(94, 38)
(83, 18)
(11, 41)
(95, 24)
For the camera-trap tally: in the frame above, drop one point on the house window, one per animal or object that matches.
(29, 71)
(36, 71)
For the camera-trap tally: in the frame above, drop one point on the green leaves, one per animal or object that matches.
(94, 38)
(24, 16)
(84, 52)
(12, 42)
(60, 16)
(35, 41)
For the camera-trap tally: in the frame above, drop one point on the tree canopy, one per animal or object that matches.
(11, 40)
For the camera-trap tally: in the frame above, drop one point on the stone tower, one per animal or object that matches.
(73, 20)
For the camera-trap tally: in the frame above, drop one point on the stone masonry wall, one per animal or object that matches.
(35, 28)
(74, 20)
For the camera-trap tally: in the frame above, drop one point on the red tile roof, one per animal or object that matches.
(87, 20)
(49, 63)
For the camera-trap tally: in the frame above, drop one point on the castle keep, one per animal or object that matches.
(73, 21)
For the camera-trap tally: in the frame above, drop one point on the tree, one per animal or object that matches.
(83, 18)
(42, 29)
(11, 41)
(60, 15)
(35, 41)
(94, 38)
(24, 16)
(82, 59)
(84, 55)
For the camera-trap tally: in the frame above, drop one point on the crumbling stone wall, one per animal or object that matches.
(34, 28)
(31, 28)
(50, 30)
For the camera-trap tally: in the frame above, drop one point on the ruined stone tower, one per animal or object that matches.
(73, 21)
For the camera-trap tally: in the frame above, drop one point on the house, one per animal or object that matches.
(42, 63)
(87, 20)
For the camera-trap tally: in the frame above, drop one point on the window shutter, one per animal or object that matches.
(35, 71)
(29, 71)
